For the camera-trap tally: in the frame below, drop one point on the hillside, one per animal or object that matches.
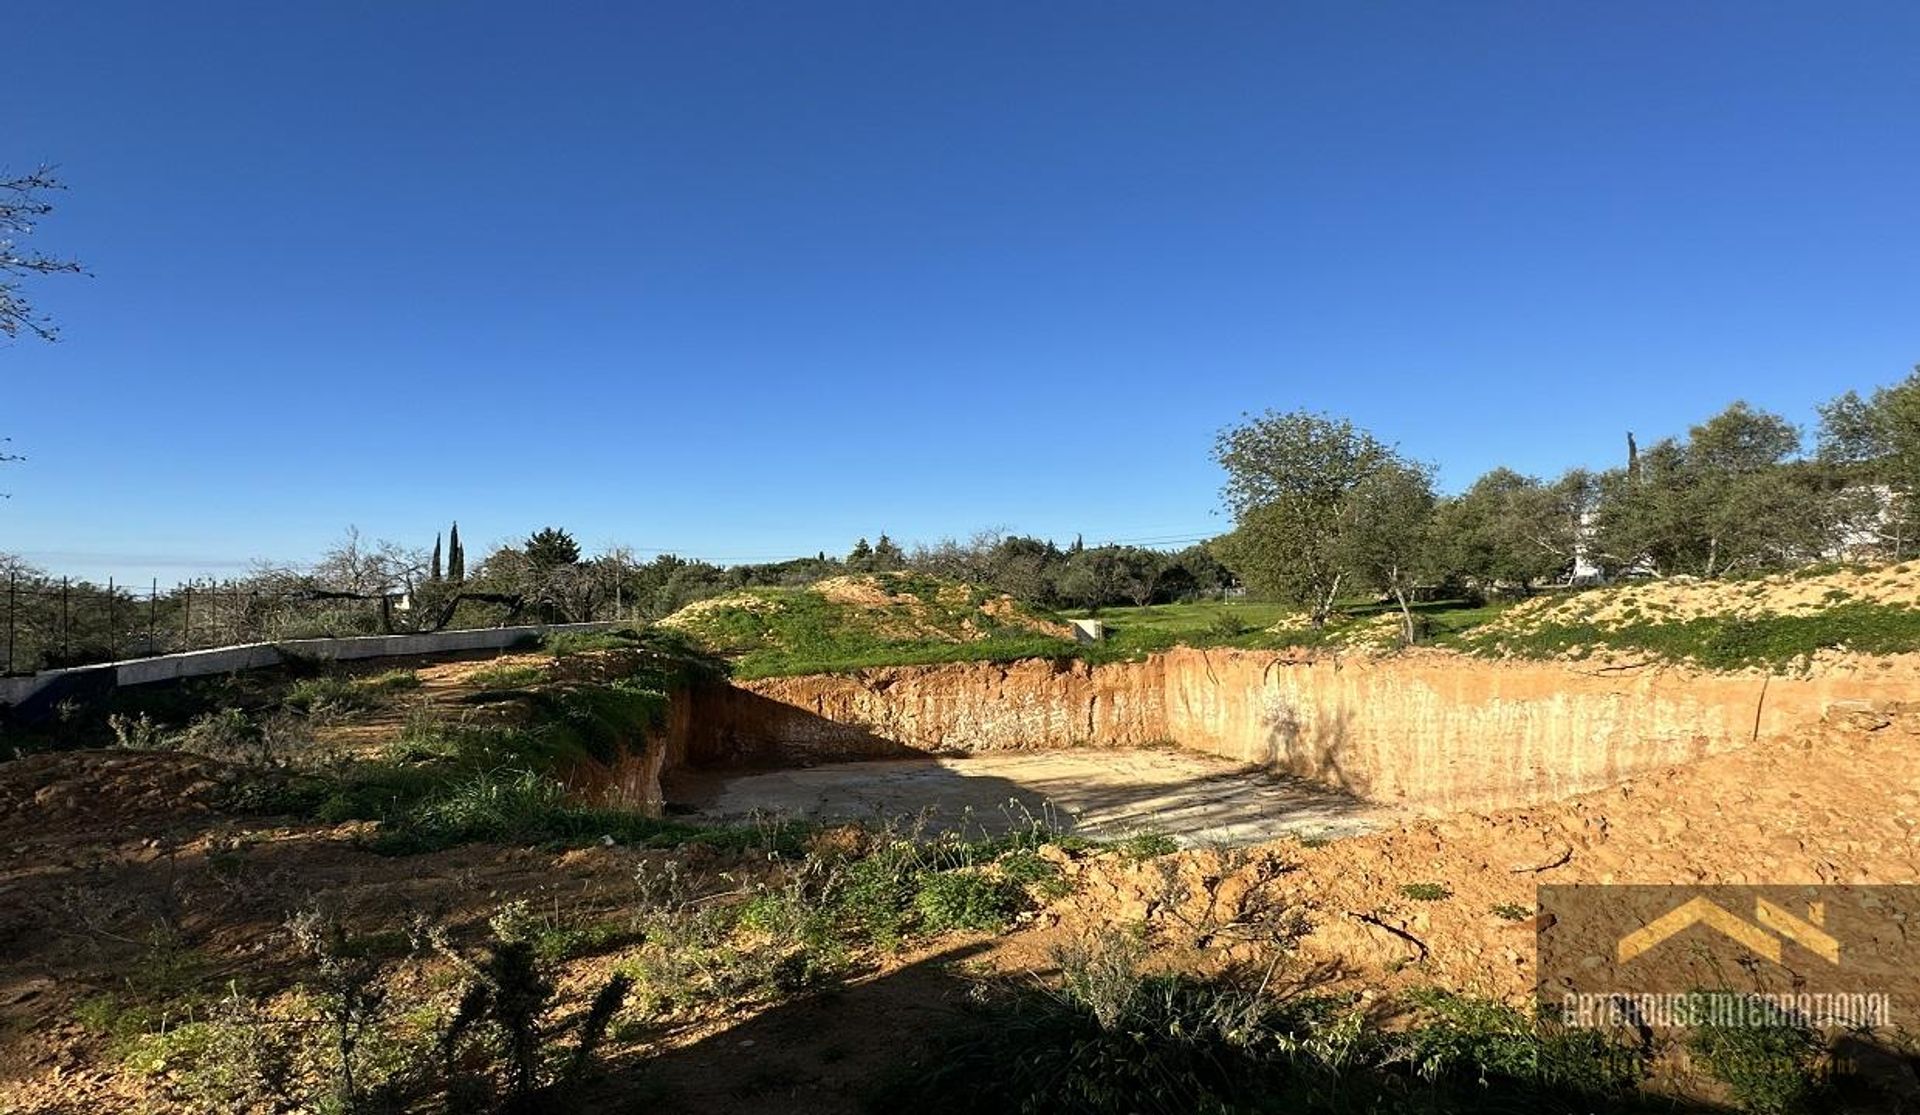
(866, 620)
(1781, 622)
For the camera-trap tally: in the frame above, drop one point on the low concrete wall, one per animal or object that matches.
(22, 694)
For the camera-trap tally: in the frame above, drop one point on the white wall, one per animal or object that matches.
(254, 656)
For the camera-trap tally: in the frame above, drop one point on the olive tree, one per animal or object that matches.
(1386, 533)
(1873, 446)
(1731, 498)
(1288, 477)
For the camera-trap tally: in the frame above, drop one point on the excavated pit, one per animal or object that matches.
(1218, 746)
(1195, 799)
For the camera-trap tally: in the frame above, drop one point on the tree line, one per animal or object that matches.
(1324, 509)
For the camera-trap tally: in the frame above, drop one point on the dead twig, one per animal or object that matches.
(1566, 857)
(1395, 930)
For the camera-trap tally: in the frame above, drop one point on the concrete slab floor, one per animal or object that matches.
(1197, 799)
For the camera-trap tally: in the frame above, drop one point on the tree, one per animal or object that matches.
(1140, 572)
(433, 569)
(1385, 541)
(456, 556)
(1508, 529)
(550, 548)
(1288, 476)
(369, 569)
(1090, 577)
(1873, 447)
(22, 204)
(887, 555)
(860, 558)
(1195, 573)
(1729, 499)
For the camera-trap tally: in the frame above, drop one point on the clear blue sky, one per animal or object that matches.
(747, 281)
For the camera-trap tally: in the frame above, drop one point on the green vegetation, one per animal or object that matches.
(1769, 1068)
(1113, 1037)
(1146, 845)
(891, 619)
(509, 676)
(1426, 892)
(1772, 641)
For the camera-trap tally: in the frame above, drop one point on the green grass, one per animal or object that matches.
(508, 676)
(523, 807)
(447, 781)
(799, 631)
(789, 631)
(1136, 632)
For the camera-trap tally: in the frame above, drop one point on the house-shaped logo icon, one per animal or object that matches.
(1774, 924)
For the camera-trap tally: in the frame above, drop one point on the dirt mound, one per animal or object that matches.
(106, 790)
(1681, 599)
(889, 607)
(1452, 900)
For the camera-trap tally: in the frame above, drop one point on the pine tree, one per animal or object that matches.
(433, 570)
(887, 555)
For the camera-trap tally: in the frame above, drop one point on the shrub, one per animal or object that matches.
(1426, 892)
(1146, 846)
(966, 900)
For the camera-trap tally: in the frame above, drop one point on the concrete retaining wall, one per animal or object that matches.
(23, 693)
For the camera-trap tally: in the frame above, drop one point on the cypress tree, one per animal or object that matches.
(456, 556)
(433, 570)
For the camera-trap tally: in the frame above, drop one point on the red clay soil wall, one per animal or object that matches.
(1429, 729)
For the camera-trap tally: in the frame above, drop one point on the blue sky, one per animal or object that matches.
(748, 281)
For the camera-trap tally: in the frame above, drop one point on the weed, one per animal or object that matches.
(561, 644)
(1028, 868)
(1145, 846)
(136, 733)
(1426, 892)
(390, 681)
(554, 938)
(1769, 1061)
(967, 901)
(320, 696)
(1511, 911)
(508, 676)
